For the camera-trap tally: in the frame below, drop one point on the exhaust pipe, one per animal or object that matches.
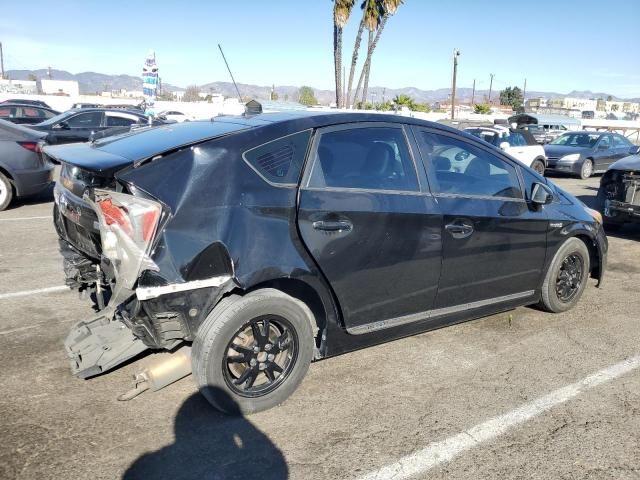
(160, 372)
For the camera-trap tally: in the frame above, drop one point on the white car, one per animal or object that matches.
(520, 144)
(174, 115)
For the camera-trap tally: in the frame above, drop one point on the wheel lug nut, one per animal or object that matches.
(270, 357)
(267, 347)
(253, 362)
(256, 349)
(262, 366)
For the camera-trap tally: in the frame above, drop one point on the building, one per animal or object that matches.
(60, 87)
(18, 86)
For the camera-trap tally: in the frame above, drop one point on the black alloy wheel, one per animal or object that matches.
(260, 356)
(569, 278)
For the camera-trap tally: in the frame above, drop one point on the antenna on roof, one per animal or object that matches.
(232, 79)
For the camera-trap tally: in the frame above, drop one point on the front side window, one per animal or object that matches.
(587, 140)
(605, 141)
(371, 158)
(85, 120)
(460, 168)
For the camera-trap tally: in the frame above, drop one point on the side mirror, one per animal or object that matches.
(541, 194)
(635, 150)
(61, 126)
(504, 145)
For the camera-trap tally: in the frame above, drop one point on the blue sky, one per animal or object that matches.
(557, 45)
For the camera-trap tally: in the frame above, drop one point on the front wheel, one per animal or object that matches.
(538, 166)
(252, 352)
(566, 277)
(587, 169)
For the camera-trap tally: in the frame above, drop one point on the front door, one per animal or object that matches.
(493, 243)
(374, 231)
(604, 153)
(77, 128)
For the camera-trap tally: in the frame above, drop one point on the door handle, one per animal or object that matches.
(333, 226)
(459, 230)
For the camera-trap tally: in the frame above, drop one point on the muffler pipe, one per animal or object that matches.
(160, 372)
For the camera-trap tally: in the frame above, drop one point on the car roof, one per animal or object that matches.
(101, 109)
(28, 105)
(315, 119)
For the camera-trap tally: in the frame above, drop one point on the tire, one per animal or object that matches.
(587, 169)
(552, 300)
(6, 192)
(538, 166)
(219, 374)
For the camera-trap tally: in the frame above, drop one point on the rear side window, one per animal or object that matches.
(371, 158)
(117, 121)
(460, 168)
(280, 161)
(85, 120)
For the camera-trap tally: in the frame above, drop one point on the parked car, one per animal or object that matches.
(23, 169)
(271, 241)
(79, 125)
(584, 153)
(173, 115)
(539, 133)
(22, 101)
(25, 114)
(518, 143)
(619, 193)
(77, 106)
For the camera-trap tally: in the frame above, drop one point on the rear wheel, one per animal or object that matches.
(566, 277)
(6, 192)
(538, 166)
(252, 352)
(587, 169)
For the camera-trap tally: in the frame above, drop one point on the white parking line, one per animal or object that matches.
(24, 218)
(26, 293)
(445, 450)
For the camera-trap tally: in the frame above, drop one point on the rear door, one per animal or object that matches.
(493, 243)
(519, 149)
(366, 217)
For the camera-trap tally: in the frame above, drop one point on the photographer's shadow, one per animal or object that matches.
(211, 445)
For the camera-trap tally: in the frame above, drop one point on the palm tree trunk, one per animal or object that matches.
(337, 58)
(366, 74)
(354, 61)
(372, 47)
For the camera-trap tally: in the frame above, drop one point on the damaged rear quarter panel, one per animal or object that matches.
(224, 220)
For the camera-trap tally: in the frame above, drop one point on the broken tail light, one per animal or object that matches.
(128, 225)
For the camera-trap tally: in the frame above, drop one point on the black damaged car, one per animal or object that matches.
(619, 193)
(270, 241)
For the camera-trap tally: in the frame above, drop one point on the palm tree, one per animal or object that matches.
(403, 101)
(385, 8)
(356, 48)
(341, 11)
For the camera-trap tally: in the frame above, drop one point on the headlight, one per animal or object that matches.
(570, 157)
(597, 216)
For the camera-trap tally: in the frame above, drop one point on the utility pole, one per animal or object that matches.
(384, 91)
(1, 62)
(456, 54)
(473, 92)
(491, 86)
(344, 87)
(49, 72)
(524, 90)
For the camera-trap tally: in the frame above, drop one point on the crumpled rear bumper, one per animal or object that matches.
(98, 345)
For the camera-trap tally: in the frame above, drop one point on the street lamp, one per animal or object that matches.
(456, 54)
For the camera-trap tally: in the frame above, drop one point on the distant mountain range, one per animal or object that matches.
(92, 82)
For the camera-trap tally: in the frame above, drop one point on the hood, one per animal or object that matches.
(556, 151)
(632, 162)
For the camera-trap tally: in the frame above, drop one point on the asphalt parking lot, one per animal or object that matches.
(523, 394)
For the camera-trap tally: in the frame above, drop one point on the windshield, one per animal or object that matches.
(582, 140)
(57, 119)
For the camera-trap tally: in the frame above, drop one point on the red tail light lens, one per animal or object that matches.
(31, 146)
(115, 215)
